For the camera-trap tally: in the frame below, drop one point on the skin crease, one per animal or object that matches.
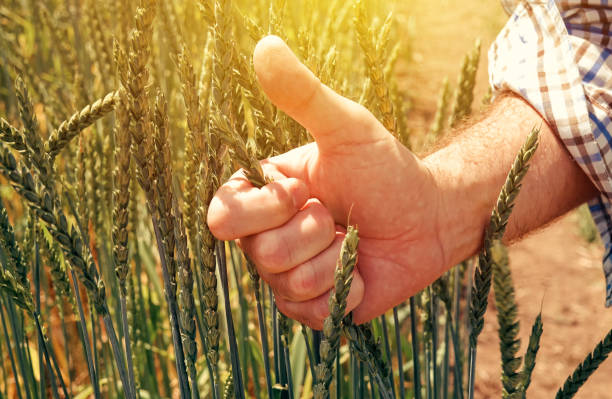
(416, 217)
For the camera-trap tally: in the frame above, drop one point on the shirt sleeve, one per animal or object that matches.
(556, 55)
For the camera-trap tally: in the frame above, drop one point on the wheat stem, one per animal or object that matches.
(162, 173)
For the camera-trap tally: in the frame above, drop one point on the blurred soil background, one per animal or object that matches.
(554, 269)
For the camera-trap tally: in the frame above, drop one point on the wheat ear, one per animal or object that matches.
(530, 355)
(332, 326)
(495, 231)
(186, 302)
(166, 225)
(194, 143)
(15, 258)
(375, 52)
(442, 109)
(507, 318)
(121, 194)
(464, 95)
(14, 282)
(33, 152)
(586, 368)
(80, 120)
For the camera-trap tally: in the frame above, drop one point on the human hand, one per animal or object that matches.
(293, 227)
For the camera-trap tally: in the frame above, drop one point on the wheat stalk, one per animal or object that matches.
(95, 190)
(42, 201)
(121, 199)
(277, 15)
(165, 222)
(134, 78)
(368, 350)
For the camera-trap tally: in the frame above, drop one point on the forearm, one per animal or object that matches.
(471, 171)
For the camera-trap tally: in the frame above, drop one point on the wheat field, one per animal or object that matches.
(119, 121)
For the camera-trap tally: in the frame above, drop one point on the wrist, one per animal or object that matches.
(470, 172)
(463, 208)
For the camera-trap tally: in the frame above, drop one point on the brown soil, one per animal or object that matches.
(554, 270)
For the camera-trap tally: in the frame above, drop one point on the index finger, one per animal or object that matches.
(238, 209)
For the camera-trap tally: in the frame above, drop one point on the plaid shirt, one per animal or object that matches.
(556, 55)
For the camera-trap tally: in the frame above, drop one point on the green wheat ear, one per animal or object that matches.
(586, 368)
(507, 317)
(368, 350)
(80, 120)
(228, 386)
(531, 353)
(464, 95)
(332, 326)
(495, 231)
(442, 110)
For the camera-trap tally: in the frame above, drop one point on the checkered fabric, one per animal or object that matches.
(556, 55)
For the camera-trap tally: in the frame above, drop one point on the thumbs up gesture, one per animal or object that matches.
(293, 227)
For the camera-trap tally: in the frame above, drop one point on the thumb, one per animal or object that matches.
(292, 87)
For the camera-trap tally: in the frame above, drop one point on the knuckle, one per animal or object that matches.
(284, 201)
(320, 311)
(324, 219)
(356, 293)
(271, 252)
(363, 119)
(361, 114)
(301, 282)
(283, 307)
(218, 219)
